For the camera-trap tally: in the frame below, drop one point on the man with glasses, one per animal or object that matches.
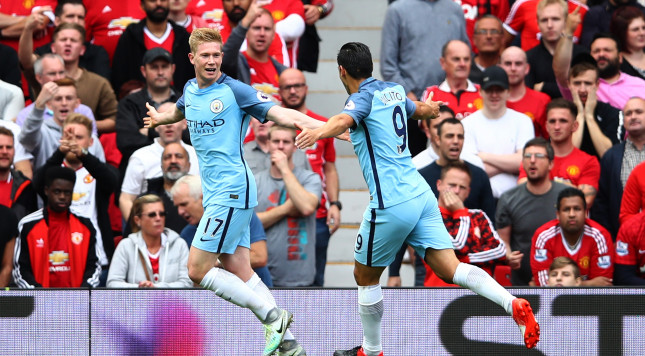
(523, 209)
(322, 157)
(488, 43)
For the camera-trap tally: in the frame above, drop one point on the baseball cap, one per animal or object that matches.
(156, 53)
(494, 76)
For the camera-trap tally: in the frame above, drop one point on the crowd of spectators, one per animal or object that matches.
(536, 159)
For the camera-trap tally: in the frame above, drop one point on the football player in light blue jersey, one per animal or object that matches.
(217, 110)
(402, 207)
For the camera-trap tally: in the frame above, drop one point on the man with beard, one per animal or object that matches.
(523, 209)
(573, 235)
(145, 163)
(153, 31)
(95, 181)
(615, 86)
(174, 165)
(322, 157)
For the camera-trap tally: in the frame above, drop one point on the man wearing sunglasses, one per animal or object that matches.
(523, 209)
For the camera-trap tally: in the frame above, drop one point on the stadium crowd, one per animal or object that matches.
(536, 159)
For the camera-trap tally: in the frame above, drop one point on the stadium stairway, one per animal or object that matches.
(361, 21)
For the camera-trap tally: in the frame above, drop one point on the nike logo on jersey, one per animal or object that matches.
(107, 8)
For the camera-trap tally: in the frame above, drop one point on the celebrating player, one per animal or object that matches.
(402, 208)
(217, 110)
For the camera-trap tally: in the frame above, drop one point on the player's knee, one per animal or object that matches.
(195, 273)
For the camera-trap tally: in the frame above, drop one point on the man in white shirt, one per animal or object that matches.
(496, 133)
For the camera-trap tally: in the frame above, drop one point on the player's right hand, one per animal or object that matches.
(150, 122)
(306, 138)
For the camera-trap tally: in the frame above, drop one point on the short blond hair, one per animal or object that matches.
(544, 3)
(76, 118)
(203, 35)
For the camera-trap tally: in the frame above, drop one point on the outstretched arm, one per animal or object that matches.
(155, 118)
(336, 125)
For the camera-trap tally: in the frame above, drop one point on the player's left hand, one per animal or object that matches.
(306, 138)
(344, 136)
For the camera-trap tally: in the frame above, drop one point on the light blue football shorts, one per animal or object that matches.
(223, 228)
(416, 222)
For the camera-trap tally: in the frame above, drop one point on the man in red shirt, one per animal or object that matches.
(523, 20)
(571, 234)
(523, 99)
(571, 165)
(322, 157)
(56, 248)
(16, 190)
(473, 236)
(457, 91)
(630, 252)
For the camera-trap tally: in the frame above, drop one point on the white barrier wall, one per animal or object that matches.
(608, 321)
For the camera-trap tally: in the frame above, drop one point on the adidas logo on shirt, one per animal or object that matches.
(107, 8)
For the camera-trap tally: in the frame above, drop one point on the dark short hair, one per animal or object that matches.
(571, 192)
(563, 261)
(59, 172)
(561, 103)
(444, 109)
(540, 142)
(448, 121)
(606, 35)
(458, 165)
(356, 58)
(58, 11)
(582, 67)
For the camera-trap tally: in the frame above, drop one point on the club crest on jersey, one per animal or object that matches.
(350, 105)
(77, 238)
(88, 179)
(217, 106)
(263, 97)
(540, 255)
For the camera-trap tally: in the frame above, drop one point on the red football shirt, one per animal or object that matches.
(264, 76)
(106, 20)
(593, 253)
(23, 8)
(211, 11)
(523, 18)
(464, 104)
(60, 268)
(5, 193)
(474, 9)
(166, 41)
(533, 105)
(321, 152)
(630, 243)
(576, 168)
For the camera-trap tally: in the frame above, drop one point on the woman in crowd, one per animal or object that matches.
(151, 256)
(628, 26)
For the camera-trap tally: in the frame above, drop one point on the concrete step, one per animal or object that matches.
(350, 174)
(356, 13)
(334, 38)
(354, 204)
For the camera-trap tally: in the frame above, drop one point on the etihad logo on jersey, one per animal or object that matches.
(217, 106)
(77, 238)
(122, 22)
(58, 257)
(350, 105)
(204, 127)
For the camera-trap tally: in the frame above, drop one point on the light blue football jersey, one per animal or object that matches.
(380, 138)
(218, 117)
